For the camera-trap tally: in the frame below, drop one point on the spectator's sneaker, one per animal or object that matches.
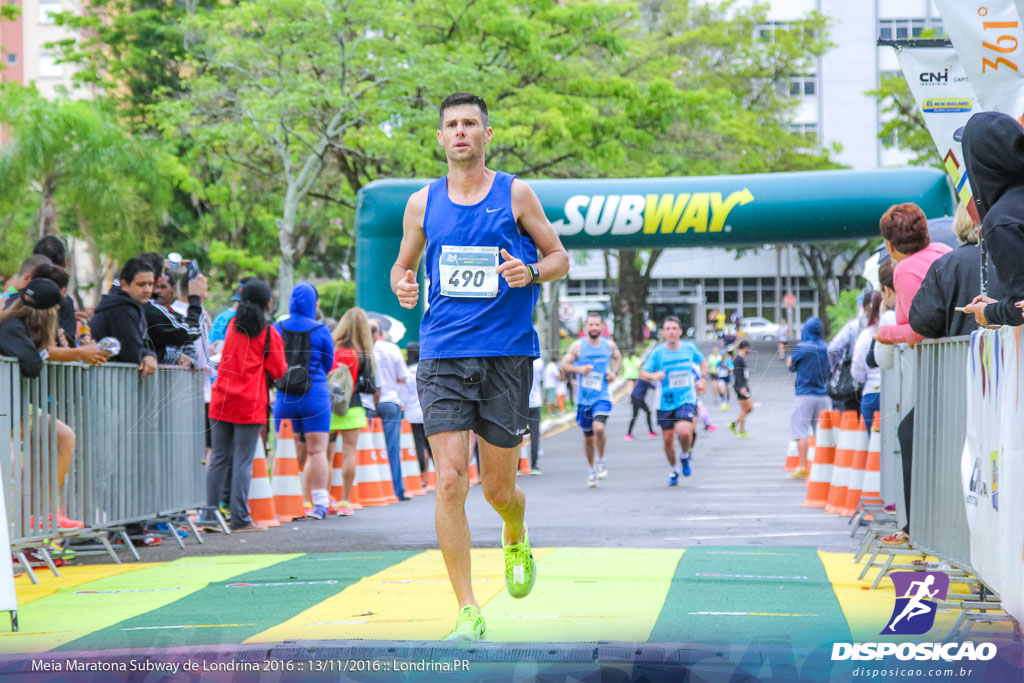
(66, 524)
(890, 508)
(686, 467)
(630, 437)
(674, 479)
(147, 539)
(799, 474)
(652, 435)
(536, 472)
(36, 561)
(345, 509)
(710, 428)
(898, 538)
(225, 511)
(520, 569)
(592, 480)
(318, 512)
(602, 470)
(469, 627)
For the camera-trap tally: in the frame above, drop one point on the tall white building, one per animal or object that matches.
(23, 46)
(833, 107)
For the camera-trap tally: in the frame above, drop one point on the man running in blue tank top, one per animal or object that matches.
(597, 361)
(481, 231)
(672, 364)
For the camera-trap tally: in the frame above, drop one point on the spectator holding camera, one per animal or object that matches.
(168, 330)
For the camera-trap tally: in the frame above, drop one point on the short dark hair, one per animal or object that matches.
(672, 319)
(52, 272)
(33, 262)
(53, 248)
(906, 228)
(885, 273)
(457, 98)
(743, 345)
(595, 314)
(155, 261)
(133, 267)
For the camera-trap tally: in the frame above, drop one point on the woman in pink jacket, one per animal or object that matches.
(905, 230)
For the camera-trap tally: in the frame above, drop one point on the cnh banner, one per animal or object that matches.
(992, 467)
(990, 41)
(946, 100)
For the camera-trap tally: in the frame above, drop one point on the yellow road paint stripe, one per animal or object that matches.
(411, 600)
(160, 628)
(69, 578)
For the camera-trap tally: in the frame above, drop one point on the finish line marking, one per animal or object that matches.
(720, 537)
(157, 628)
(283, 583)
(750, 614)
(130, 590)
(751, 576)
(715, 518)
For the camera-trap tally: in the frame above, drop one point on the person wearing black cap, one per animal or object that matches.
(27, 329)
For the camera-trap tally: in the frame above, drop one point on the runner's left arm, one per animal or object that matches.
(554, 264)
(615, 364)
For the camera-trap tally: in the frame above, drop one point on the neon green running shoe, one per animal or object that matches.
(744, 435)
(520, 569)
(469, 627)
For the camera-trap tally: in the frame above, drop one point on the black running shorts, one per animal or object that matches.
(491, 396)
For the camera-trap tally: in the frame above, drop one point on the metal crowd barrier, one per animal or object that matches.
(938, 520)
(138, 445)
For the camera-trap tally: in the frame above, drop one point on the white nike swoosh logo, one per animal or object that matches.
(491, 210)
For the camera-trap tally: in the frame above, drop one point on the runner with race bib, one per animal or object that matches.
(480, 231)
(597, 361)
(673, 364)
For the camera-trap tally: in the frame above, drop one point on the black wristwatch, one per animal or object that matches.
(534, 273)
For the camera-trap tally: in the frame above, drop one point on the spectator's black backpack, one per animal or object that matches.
(298, 354)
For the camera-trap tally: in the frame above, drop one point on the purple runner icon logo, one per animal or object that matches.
(916, 595)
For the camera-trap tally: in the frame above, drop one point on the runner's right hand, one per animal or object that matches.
(408, 290)
(585, 369)
(659, 375)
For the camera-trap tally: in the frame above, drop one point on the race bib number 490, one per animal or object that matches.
(468, 271)
(679, 379)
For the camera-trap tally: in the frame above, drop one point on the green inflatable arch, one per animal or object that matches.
(643, 213)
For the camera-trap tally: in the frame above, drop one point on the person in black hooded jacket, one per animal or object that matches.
(953, 281)
(994, 158)
(120, 314)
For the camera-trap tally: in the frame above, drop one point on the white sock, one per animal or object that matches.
(686, 456)
(320, 497)
(677, 469)
(600, 461)
(592, 469)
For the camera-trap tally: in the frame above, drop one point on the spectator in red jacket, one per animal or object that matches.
(238, 406)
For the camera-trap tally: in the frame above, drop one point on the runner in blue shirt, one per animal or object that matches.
(596, 361)
(672, 364)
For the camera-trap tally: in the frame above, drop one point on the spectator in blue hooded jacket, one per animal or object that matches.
(309, 411)
(810, 363)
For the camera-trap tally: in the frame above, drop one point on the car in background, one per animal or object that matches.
(758, 328)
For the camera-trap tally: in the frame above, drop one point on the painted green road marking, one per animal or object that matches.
(73, 612)
(227, 612)
(778, 595)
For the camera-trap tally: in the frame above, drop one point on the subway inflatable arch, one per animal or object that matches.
(644, 213)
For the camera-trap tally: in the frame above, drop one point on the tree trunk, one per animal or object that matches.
(630, 300)
(47, 210)
(98, 271)
(286, 238)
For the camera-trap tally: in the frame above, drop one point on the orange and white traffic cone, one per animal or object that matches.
(792, 458)
(286, 484)
(474, 471)
(524, 457)
(368, 486)
(261, 496)
(872, 486)
(845, 450)
(820, 479)
(380, 452)
(856, 482)
(337, 462)
(410, 463)
(431, 475)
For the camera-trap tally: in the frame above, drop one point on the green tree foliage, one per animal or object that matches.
(83, 175)
(904, 128)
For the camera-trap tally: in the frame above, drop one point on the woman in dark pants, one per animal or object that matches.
(238, 404)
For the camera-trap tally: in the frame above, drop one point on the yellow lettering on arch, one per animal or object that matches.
(663, 212)
(696, 216)
(720, 210)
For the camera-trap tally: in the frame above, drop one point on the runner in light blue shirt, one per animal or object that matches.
(672, 364)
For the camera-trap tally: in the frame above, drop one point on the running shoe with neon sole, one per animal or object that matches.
(592, 480)
(744, 435)
(345, 509)
(732, 427)
(520, 569)
(724, 406)
(652, 435)
(469, 627)
(630, 437)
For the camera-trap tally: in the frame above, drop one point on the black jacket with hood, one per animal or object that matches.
(951, 282)
(120, 316)
(994, 157)
(14, 341)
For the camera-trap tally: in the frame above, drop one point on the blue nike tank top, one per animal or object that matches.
(590, 391)
(476, 326)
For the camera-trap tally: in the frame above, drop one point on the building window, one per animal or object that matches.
(11, 59)
(799, 86)
(47, 10)
(902, 29)
(49, 68)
